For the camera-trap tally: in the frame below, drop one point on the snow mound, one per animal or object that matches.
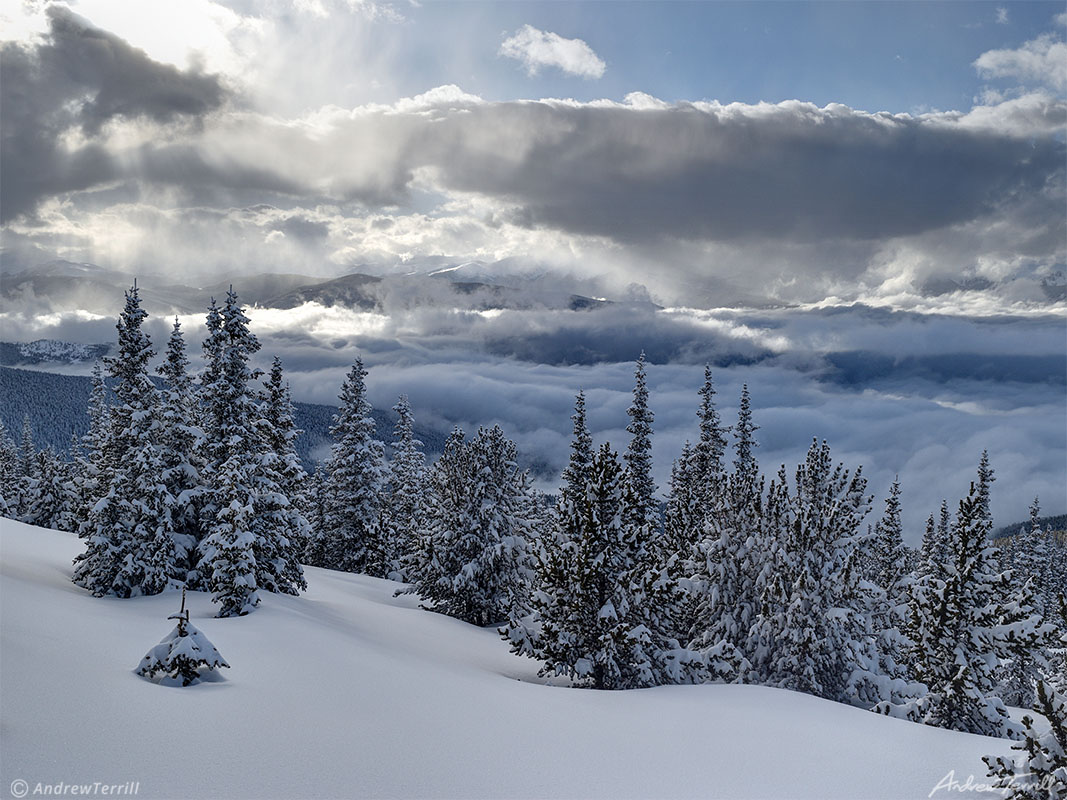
(348, 691)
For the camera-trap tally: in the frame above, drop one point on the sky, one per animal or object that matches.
(858, 209)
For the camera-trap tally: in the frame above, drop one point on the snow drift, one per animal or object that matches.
(347, 691)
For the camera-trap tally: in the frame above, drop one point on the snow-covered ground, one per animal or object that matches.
(347, 691)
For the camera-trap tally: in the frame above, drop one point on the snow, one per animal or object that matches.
(347, 691)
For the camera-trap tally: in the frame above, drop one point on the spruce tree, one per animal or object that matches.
(729, 559)
(129, 548)
(26, 469)
(641, 509)
(92, 465)
(965, 620)
(180, 441)
(52, 501)
(350, 537)
(279, 431)
(247, 546)
(8, 474)
(476, 564)
(407, 496)
(816, 625)
(1039, 772)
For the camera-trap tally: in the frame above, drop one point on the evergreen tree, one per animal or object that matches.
(815, 623)
(985, 484)
(52, 501)
(746, 468)
(93, 468)
(583, 598)
(180, 441)
(8, 474)
(407, 498)
(26, 468)
(890, 591)
(185, 654)
(279, 431)
(350, 537)
(129, 548)
(730, 556)
(476, 565)
(964, 622)
(247, 546)
(641, 509)
(1039, 772)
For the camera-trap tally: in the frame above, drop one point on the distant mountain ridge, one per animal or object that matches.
(50, 351)
(64, 285)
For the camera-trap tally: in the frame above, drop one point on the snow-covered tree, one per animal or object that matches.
(52, 500)
(965, 620)
(26, 468)
(407, 495)
(985, 485)
(475, 564)
(730, 555)
(184, 654)
(180, 440)
(1039, 772)
(8, 474)
(279, 431)
(93, 467)
(129, 547)
(247, 546)
(815, 623)
(641, 509)
(350, 535)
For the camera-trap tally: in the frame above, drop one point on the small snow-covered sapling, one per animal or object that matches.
(185, 654)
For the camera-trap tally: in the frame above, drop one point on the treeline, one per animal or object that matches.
(745, 577)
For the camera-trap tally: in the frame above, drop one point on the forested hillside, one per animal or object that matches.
(56, 407)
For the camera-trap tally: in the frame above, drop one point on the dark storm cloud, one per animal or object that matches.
(78, 79)
(791, 171)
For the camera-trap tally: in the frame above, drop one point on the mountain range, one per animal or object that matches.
(64, 285)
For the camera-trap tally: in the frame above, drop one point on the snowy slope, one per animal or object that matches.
(349, 692)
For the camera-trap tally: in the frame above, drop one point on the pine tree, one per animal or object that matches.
(51, 504)
(180, 441)
(350, 536)
(965, 621)
(129, 548)
(26, 469)
(729, 559)
(746, 468)
(8, 474)
(985, 484)
(185, 654)
(890, 591)
(280, 432)
(476, 564)
(93, 469)
(641, 510)
(816, 623)
(247, 547)
(1039, 772)
(407, 497)
(583, 598)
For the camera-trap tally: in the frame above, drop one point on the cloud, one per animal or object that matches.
(1002, 15)
(536, 49)
(1042, 60)
(59, 96)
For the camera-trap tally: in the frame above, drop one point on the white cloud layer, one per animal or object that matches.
(537, 49)
(1042, 60)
